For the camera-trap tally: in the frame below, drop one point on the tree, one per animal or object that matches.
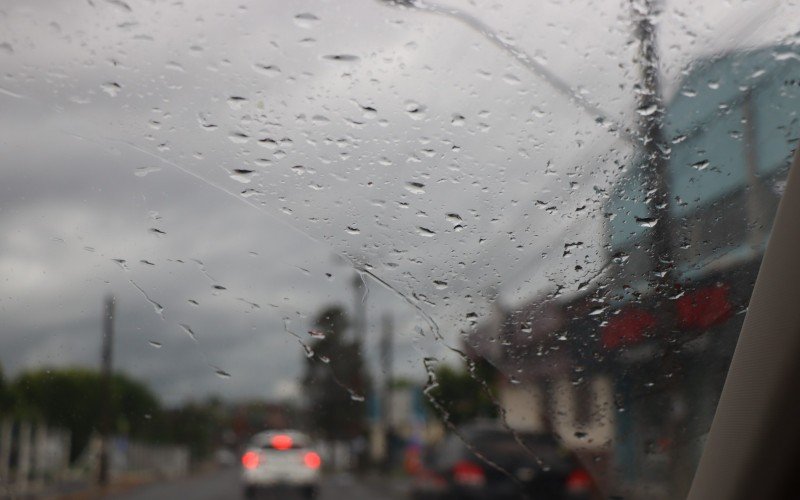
(463, 395)
(197, 425)
(336, 379)
(6, 399)
(70, 398)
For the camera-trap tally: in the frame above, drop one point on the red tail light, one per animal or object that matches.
(250, 460)
(312, 460)
(281, 442)
(468, 474)
(579, 481)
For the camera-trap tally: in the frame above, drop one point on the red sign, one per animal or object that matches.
(704, 307)
(627, 327)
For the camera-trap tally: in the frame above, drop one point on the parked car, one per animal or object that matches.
(280, 460)
(489, 461)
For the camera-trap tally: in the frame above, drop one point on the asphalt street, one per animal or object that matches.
(225, 484)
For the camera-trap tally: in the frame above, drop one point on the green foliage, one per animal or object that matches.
(464, 396)
(334, 375)
(6, 398)
(71, 398)
(195, 425)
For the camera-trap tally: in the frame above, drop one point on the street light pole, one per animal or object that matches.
(386, 355)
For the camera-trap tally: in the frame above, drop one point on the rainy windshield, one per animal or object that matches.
(392, 230)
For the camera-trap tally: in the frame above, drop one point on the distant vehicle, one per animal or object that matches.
(512, 467)
(280, 460)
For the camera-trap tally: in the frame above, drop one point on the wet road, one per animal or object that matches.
(224, 484)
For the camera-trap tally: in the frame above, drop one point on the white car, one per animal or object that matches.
(280, 459)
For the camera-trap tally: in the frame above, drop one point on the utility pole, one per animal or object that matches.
(654, 147)
(386, 355)
(658, 196)
(106, 359)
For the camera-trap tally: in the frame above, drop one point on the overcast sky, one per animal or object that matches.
(154, 150)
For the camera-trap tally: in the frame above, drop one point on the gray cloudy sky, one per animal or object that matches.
(358, 130)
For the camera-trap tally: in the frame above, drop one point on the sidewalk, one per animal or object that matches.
(121, 483)
(83, 490)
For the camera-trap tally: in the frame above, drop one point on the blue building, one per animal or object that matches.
(731, 129)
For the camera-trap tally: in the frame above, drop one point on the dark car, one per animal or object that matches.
(489, 461)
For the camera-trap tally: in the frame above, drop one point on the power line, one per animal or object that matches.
(522, 57)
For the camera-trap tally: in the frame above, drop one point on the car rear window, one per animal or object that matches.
(503, 445)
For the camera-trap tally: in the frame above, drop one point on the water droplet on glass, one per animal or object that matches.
(242, 175)
(415, 110)
(122, 263)
(441, 285)
(111, 88)
(158, 307)
(701, 165)
(306, 20)
(415, 187)
(238, 137)
(679, 139)
(235, 102)
(647, 110)
(120, 4)
(646, 221)
(188, 329)
(341, 57)
(174, 66)
(352, 230)
(369, 112)
(143, 171)
(424, 231)
(203, 121)
(317, 334)
(598, 310)
(221, 373)
(156, 344)
(308, 351)
(267, 69)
